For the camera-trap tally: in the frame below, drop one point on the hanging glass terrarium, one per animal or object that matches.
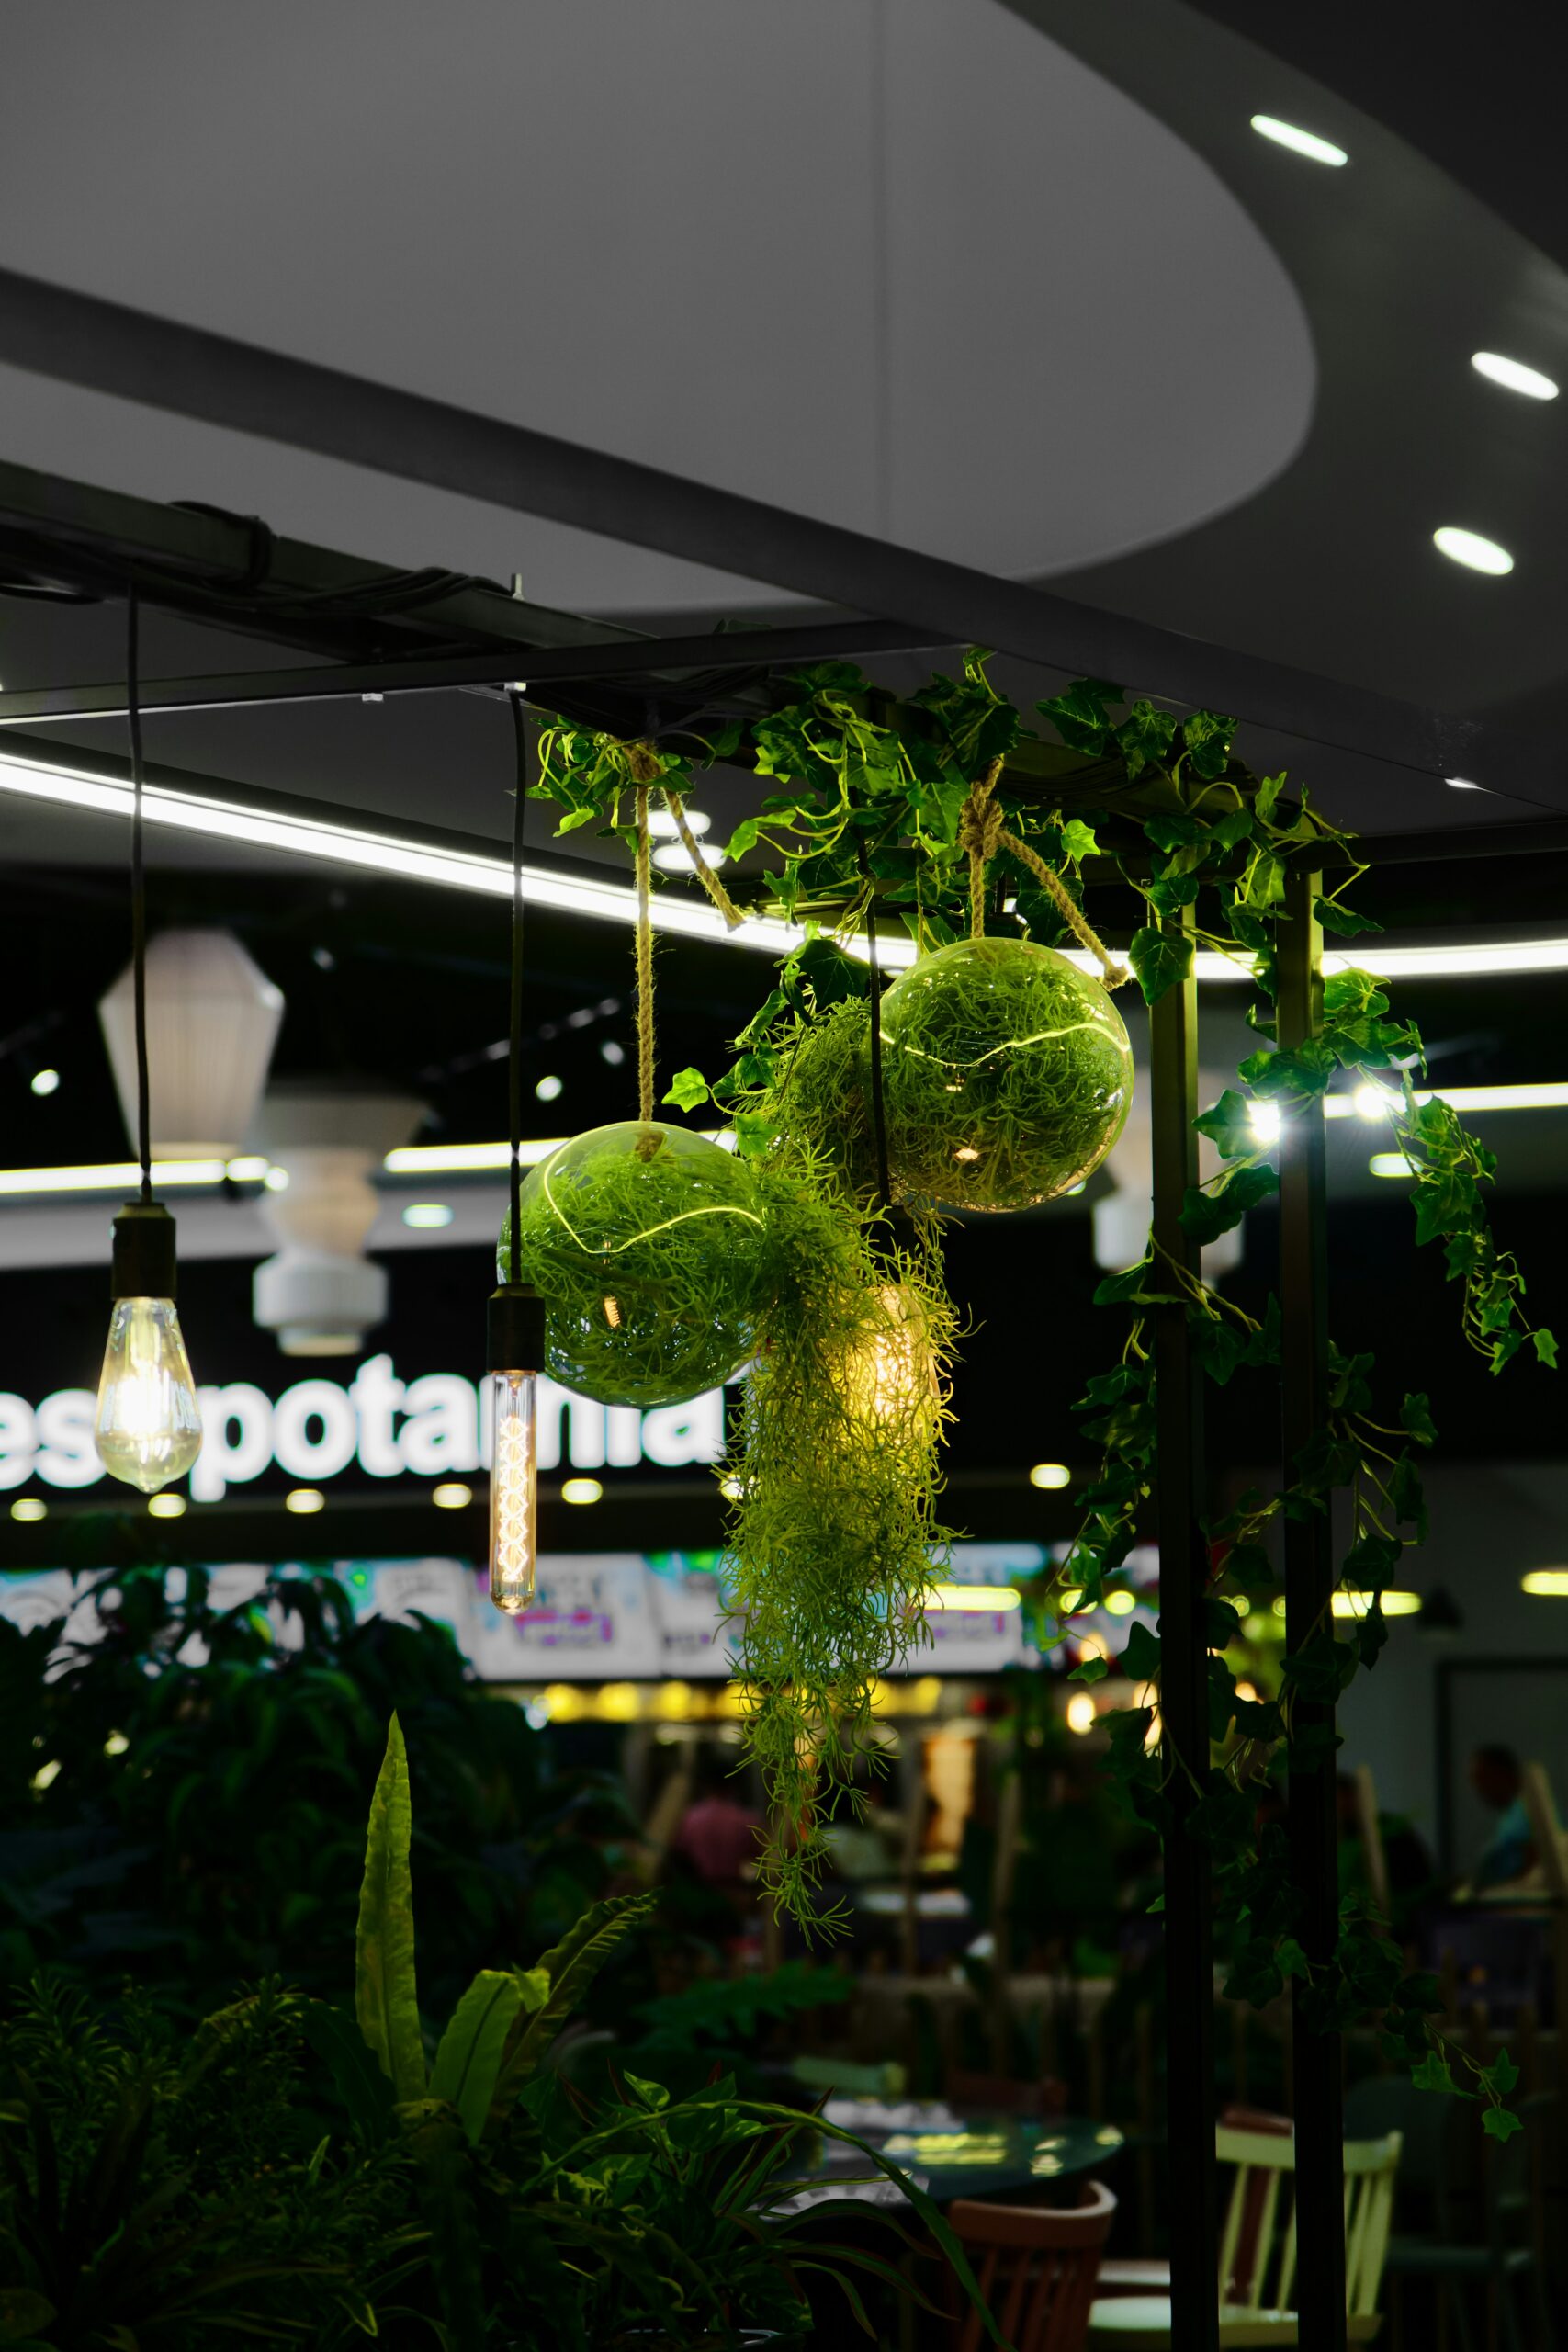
(1007, 1075)
(646, 1242)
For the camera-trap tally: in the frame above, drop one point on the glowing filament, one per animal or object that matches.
(148, 1427)
(888, 1375)
(513, 1489)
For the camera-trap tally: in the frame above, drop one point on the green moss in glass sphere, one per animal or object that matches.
(1007, 1075)
(647, 1245)
(822, 1097)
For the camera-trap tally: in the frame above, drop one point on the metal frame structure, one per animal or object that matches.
(365, 630)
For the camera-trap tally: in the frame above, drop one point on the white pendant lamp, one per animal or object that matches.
(212, 1021)
(325, 1140)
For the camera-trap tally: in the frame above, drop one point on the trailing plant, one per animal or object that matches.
(944, 812)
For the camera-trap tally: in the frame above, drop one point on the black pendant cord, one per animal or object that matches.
(878, 1111)
(514, 1054)
(138, 888)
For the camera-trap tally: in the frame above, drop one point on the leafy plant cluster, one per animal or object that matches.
(294, 2176)
(870, 820)
(177, 1794)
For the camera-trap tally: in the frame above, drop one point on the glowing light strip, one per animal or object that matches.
(690, 917)
(974, 1596)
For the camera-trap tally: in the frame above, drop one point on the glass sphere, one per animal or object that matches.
(646, 1244)
(1006, 1074)
(822, 1097)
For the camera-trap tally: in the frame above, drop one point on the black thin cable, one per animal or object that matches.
(878, 1114)
(138, 889)
(515, 1051)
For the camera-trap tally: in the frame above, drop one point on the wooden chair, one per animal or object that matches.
(1135, 2277)
(1035, 2267)
(1258, 2309)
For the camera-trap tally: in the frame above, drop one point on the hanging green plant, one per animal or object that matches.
(820, 1098)
(834, 1537)
(1008, 1074)
(647, 1244)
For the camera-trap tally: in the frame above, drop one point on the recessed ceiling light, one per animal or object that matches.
(305, 1499)
(1471, 549)
(1513, 375)
(546, 1089)
(427, 1215)
(1373, 1101)
(1390, 1163)
(1051, 1476)
(676, 858)
(611, 1050)
(166, 1507)
(1552, 1583)
(30, 1506)
(581, 1490)
(1299, 141)
(1264, 1120)
(45, 1081)
(453, 1497)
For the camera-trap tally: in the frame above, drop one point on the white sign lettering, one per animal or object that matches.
(429, 1427)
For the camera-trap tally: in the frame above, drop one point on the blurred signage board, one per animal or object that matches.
(599, 1617)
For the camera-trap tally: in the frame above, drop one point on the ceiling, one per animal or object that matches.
(1011, 281)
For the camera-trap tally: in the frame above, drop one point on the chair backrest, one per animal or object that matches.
(1550, 1845)
(1035, 2266)
(1370, 2168)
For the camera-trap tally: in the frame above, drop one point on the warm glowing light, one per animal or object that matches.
(1263, 1118)
(547, 1088)
(452, 1497)
(1299, 141)
(1067, 1599)
(1373, 1101)
(673, 1701)
(1080, 1712)
(1513, 375)
(1549, 1584)
(1247, 1691)
(514, 1489)
(1470, 549)
(1394, 1604)
(1121, 1602)
(47, 1775)
(250, 1168)
(1051, 1476)
(148, 1427)
(662, 826)
(304, 1500)
(45, 1081)
(925, 1694)
(30, 1506)
(974, 1596)
(581, 1490)
(618, 1703)
(888, 1375)
(166, 1507)
(277, 1179)
(427, 1216)
(116, 1744)
(676, 858)
(1390, 1163)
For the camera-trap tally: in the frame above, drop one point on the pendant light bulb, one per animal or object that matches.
(149, 1425)
(514, 1489)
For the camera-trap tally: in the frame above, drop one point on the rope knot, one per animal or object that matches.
(643, 763)
(980, 824)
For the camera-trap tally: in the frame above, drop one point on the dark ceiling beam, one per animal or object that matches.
(627, 661)
(80, 339)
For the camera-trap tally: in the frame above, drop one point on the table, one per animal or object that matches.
(950, 2154)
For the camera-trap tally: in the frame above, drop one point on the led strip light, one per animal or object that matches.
(330, 843)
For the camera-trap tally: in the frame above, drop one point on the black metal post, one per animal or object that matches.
(1309, 1587)
(1183, 1576)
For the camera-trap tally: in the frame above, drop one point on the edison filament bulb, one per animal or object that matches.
(514, 1489)
(149, 1425)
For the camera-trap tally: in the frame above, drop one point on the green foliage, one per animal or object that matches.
(834, 1538)
(1007, 1075)
(647, 1245)
(215, 1766)
(820, 1098)
(385, 2000)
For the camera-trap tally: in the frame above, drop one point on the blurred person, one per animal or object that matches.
(1509, 1852)
(720, 1836)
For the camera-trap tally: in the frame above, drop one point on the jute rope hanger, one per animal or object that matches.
(982, 830)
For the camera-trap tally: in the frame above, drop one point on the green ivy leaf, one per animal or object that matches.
(687, 1089)
(1545, 1348)
(1140, 1661)
(1500, 2124)
(1205, 1216)
(1435, 2074)
(1092, 1669)
(1078, 840)
(1416, 1419)
(1160, 961)
(1342, 920)
(1502, 2075)
(1081, 716)
(1229, 1123)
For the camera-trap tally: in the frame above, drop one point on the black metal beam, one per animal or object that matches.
(1180, 1505)
(629, 661)
(80, 339)
(1309, 1587)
